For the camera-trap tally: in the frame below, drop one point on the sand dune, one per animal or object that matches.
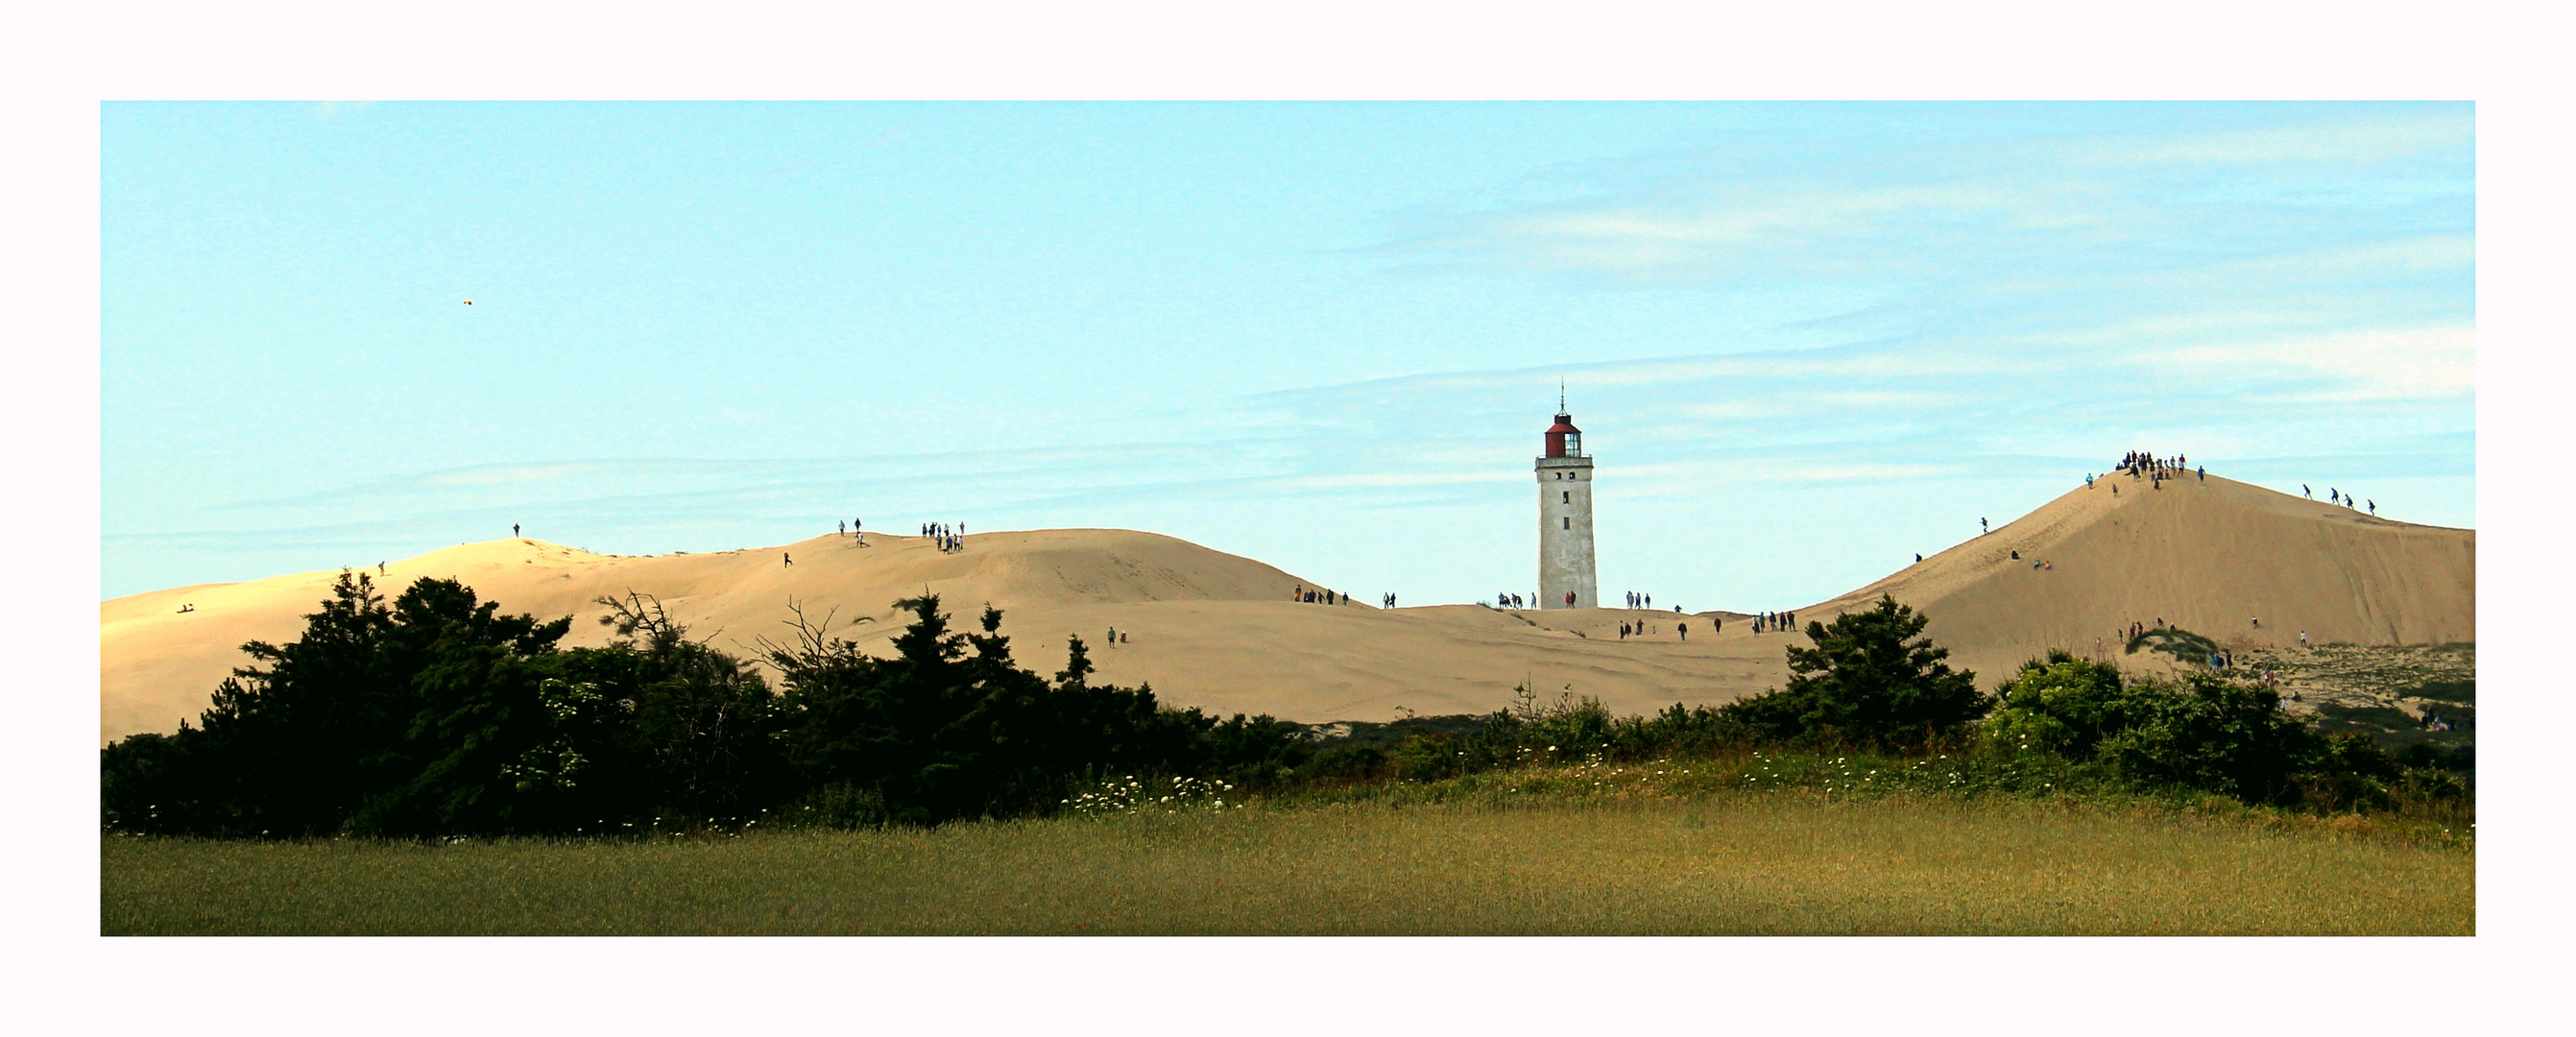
(2212, 557)
(1220, 631)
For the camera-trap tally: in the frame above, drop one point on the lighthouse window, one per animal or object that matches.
(1569, 496)
(1569, 523)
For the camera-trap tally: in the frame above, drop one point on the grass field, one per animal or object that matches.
(1724, 863)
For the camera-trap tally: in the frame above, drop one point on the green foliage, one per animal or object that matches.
(950, 728)
(395, 719)
(438, 715)
(2203, 733)
(1866, 682)
(2212, 734)
(2062, 705)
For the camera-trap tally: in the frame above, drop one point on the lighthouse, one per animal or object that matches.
(1565, 521)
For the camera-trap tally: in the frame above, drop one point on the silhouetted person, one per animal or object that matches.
(514, 531)
(784, 560)
(1682, 629)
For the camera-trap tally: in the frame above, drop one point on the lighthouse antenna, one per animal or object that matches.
(1560, 395)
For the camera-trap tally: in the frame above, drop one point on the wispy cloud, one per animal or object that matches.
(2427, 364)
(2343, 140)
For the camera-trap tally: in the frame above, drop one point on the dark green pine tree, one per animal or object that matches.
(1867, 680)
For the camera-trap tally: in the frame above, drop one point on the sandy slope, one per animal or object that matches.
(1206, 628)
(2208, 556)
(1220, 631)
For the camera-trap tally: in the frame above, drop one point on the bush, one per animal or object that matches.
(2202, 733)
(1865, 682)
(2062, 705)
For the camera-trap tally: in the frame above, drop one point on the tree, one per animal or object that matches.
(1866, 681)
(434, 714)
(693, 730)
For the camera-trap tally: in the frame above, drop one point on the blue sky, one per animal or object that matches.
(1805, 340)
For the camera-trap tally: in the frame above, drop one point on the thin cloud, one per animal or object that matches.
(2359, 140)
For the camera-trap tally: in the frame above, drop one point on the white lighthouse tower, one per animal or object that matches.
(1565, 577)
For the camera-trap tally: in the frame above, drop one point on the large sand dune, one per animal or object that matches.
(1220, 631)
(2211, 556)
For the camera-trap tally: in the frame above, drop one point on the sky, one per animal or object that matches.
(1804, 341)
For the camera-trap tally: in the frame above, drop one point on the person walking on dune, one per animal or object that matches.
(514, 531)
(2374, 507)
(1982, 527)
(785, 560)
(1682, 629)
(2204, 473)
(2304, 491)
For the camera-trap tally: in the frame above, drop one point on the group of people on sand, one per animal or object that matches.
(2339, 497)
(1320, 596)
(1388, 599)
(950, 539)
(2139, 464)
(852, 528)
(1681, 628)
(1775, 621)
(1508, 600)
(1640, 601)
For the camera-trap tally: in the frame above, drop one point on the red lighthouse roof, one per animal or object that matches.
(1563, 439)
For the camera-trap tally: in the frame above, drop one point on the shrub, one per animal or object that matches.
(2202, 733)
(2062, 705)
(1864, 681)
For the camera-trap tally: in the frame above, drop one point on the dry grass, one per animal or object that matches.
(1721, 864)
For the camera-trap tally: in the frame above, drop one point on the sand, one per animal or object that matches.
(2213, 557)
(1221, 632)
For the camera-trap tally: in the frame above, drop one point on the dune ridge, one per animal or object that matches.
(1220, 631)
